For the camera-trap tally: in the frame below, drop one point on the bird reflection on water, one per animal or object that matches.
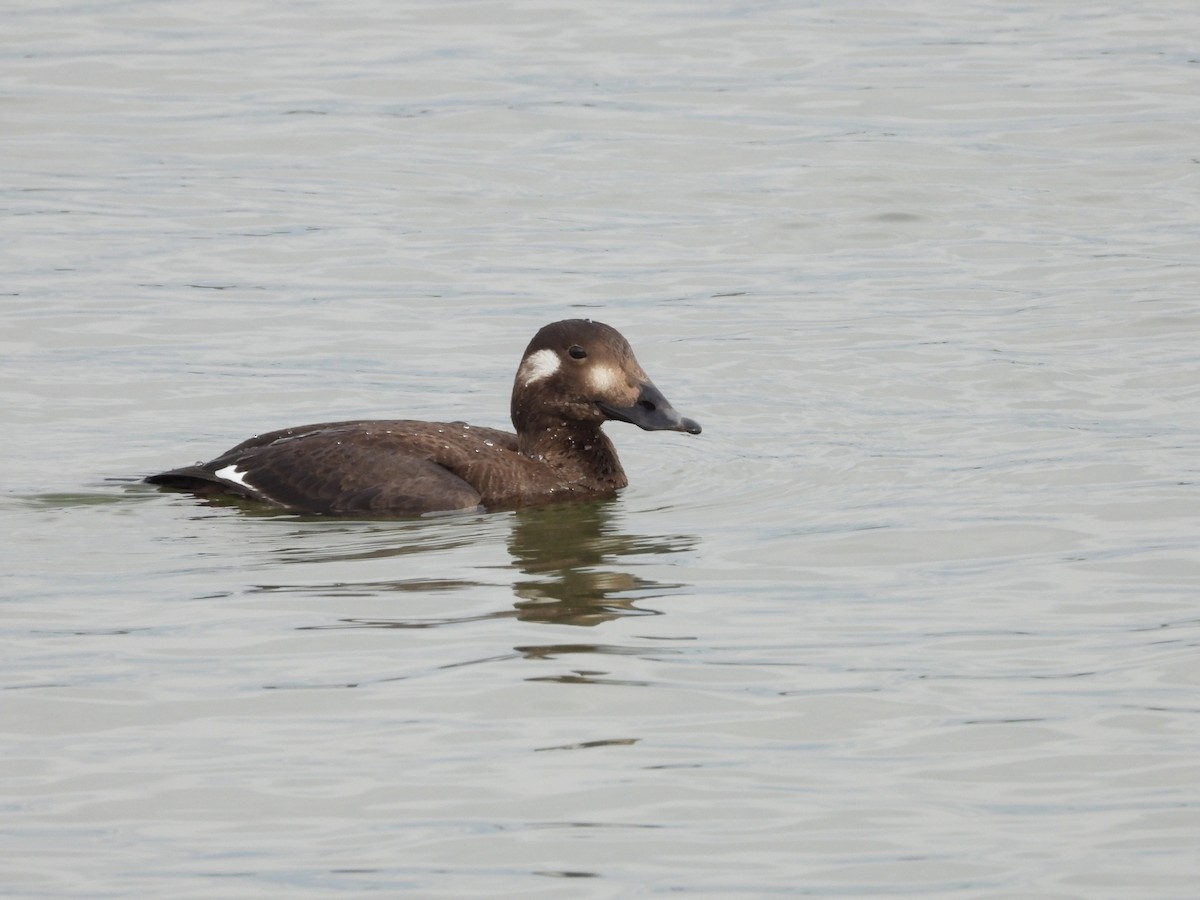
(570, 559)
(565, 550)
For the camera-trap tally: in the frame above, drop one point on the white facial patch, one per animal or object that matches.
(231, 473)
(539, 366)
(604, 379)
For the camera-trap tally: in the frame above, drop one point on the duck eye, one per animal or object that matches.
(577, 352)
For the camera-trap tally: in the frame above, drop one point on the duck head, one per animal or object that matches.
(580, 372)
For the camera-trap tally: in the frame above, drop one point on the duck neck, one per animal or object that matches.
(583, 454)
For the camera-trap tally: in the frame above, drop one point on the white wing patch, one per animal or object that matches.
(539, 366)
(231, 473)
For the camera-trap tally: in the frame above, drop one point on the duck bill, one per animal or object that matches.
(651, 412)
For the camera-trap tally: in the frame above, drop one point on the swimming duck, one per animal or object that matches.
(575, 375)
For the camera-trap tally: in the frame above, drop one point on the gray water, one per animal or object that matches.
(918, 614)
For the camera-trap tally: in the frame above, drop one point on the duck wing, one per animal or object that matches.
(379, 467)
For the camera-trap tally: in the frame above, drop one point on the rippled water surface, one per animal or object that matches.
(918, 614)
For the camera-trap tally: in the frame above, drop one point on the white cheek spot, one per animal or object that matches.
(539, 366)
(604, 379)
(231, 473)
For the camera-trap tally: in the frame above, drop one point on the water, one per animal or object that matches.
(916, 615)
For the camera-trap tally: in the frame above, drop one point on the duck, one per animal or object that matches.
(574, 376)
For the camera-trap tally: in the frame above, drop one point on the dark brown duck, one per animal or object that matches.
(575, 375)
